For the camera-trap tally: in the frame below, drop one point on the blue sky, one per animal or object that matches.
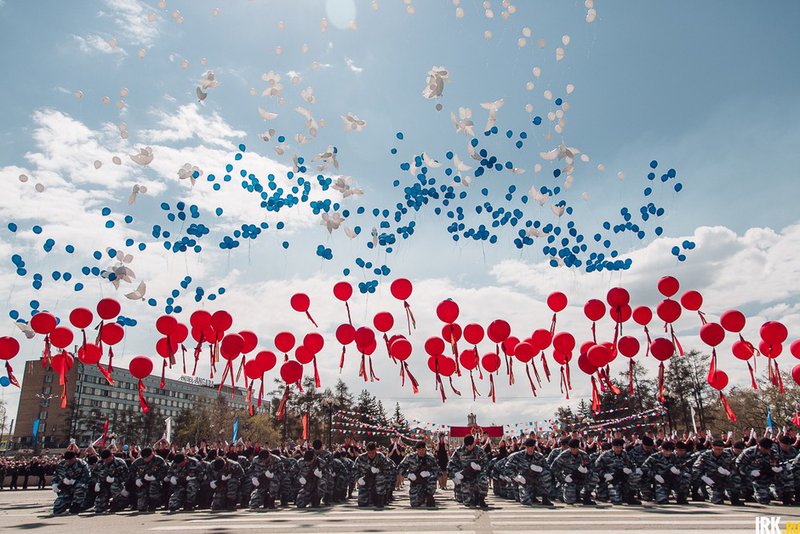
(704, 88)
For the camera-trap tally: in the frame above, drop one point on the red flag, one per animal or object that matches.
(305, 426)
(105, 434)
(796, 418)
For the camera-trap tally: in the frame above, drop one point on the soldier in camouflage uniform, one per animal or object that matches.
(528, 468)
(245, 487)
(109, 477)
(638, 455)
(341, 478)
(501, 485)
(556, 491)
(601, 492)
(147, 472)
(467, 468)
(69, 483)
(760, 468)
(422, 470)
(350, 465)
(661, 470)
(716, 468)
(289, 484)
(372, 471)
(573, 470)
(185, 476)
(226, 477)
(311, 476)
(746, 491)
(205, 471)
(684, 461)
(265, 474)
(785, 480)
(618, 474)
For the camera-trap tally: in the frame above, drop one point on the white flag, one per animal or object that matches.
(168, 429)
(694, 425)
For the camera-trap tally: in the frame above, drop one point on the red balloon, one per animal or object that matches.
(61, 337)
(81, 317)
(451, 333)
(557, 301)
(562, 358)
(401, 289)
(628, 346)
(620, 314)
(447, 311)
(221, 321)
(250, 341)
(231, 346)
(732, 321)
(179, 334)
(718, 380)
(599, 356)
(434, 362)
(662, 349)
(9, 347)
(743, 350)
(108, 309)
(447, 366)
(668, 286)
(303, 355)
(200, 319)
(774, 332)
(140, 367)
(510, 345)
(291, 372)
(343, 291)
(692, 300)
(61, 362)
(368, 347)
(252, 370)
(89, 354)
(594, 309)
(345, 333)
(473, 333)
(434, 346)
(586, 346)
(383, 321)
(284, 341)
(585, 365)
(541, 339)
(669, 310)
(266, 360)
(43, 323)
(469, 359)
(490, 362)
(112, 333)
(314, 342)
(165, 324)
(400, 349)
(498, 331)
(617, 297)
(364, 337)
(642, 315)
(712, 334)
(796, 374)
(300, 302)
(563, 342)
(163, 347)
(769, 350)
(524, 352)
(794, 348)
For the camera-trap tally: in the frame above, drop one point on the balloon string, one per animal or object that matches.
(312, 319)
(536, 372)
(546, 368)
(475, 393)
(530, 380)
(752, 375)
(241, 367)
(183, 355)
(233, 382)
(630, 377)
(594, 333)
(728, 411)
(347, 307)
(317, 383)
(553, 325)
(10, 372)
(410, 317)
(661, 382)
(702, 317)
(491, 388)
(647, 334)
(142, 401)
(454, 388)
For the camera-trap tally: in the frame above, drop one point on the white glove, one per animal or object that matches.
(166, 478)
(638, 471)
(659, 479)
(675, 470)
(124, 492)
(213, 484)
(362, 482)
(109, 479)
(68, 481)
(755, 472)
(568, 479)
(317, 473)
(139, 483)
(149, 478)
(424, 474)
(226, 477)
(173, 481)
(627, 470)
(191, 478)
(520, 479)
(722, 471)
(55, 489)
(609, 477)
(268, 474)
(459, 476)
(96, 487)
(777, 468)
(302, 481)
(537, 468)
(583, 469)
(707, 480)
(255, 481)
(375, 470)
(412, 477)
(475, 466)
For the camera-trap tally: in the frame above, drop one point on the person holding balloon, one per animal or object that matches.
(70, 482)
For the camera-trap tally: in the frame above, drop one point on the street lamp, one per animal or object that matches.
(328, 403)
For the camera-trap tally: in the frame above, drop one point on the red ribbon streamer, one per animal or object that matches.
(347, 307)
(546, 369)
(105, 434)
(142, 401)
(536, 372)
(553, 325)
(454, 388)
(10, 372)
(282, 405)
(475, 393)
(661, 382)
(530, 380)
(595, 396)
(491, 387)
(341, 360)
(164, 370)
(316, 373)
(728, 411)
(409, 317)
(261, 390)
(752, 375)
(106, 374)
(630, 377)
(647, 335)
(311, 319)
(110, 358)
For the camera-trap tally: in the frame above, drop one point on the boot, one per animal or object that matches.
(682, 500)
(534, 500)
(735, 501)
(587, 498)
(379, 501)
(315, 502)
(270, 503)
(787, 499)
(482, 503)
(546, 501)
(430, 502)
(696, 496)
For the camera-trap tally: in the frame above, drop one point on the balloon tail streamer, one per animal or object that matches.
(595, 396)
(712, 368)
(536, 373)
(241, 367)
(317, 383)
(454, 344)
(780, 378)
(630, 377)
(546, 369)
(197, 350)
(613, 388)
(752, 375)
(46, 355)
(349, 319)
(675, 340)
(491, 388)
(142, 401)
(282, 404)
(106, 374)
(511, 371)
(83, 331)
(311, 319)
(702, 317)
(454, 388)
(440, 386)
(530, 380)
(478, 364)
(404, 370)
(362, 370)
(475, 393)
(341, 360)
(594, 332)
(647, 335)
(728, 411)
(661, 382)
(389, 352)
(617, 329)
(183, 356)
(10, 372)
(164, 370)
(250, 401)
(261, 391)
(409, 317)
(563, 384)
(569, 377)
(553, 325)
(110, 358)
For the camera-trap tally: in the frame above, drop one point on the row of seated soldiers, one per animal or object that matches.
(256, 479)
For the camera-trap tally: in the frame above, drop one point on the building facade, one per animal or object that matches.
(91, 400)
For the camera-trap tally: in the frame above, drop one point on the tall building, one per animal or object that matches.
(91, 400)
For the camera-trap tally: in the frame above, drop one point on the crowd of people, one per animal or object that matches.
(27, 472)
(529, 470)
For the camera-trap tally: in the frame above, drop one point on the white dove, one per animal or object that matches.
(144, 157)
(138, 293)
(353, 123)
(492, 107)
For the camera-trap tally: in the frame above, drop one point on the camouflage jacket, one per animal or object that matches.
(568, 464)
(413, 463)
(638, 455)
(78, 472)
(364, 465)
(258, 468)
(156, 467)
(117, 469)
(520, 464)
(708, 465)
(610, 463)
(192, 469)
(462, 459)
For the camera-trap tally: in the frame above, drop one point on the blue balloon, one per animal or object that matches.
(4, 381)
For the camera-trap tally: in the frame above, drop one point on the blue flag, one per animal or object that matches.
(235, 429)
(35, 431)
(769, 419)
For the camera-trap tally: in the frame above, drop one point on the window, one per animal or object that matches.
(42, 416)
(48, 378)
(41, 428)
(46, 390)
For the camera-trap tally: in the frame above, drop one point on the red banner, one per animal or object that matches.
(463, 431)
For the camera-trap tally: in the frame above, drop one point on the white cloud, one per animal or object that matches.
(188, 123)
(130, 16)
(94, 43)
